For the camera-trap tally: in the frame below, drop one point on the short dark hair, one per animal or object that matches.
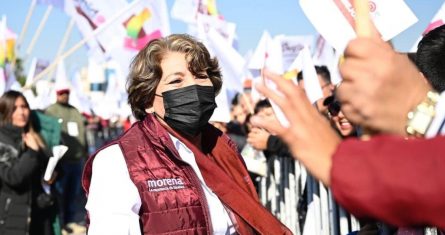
(7, 105)
(261, 105)
(430, 57)
(322, 70)
(145, 69)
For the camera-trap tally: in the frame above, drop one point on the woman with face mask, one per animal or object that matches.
(24, 207)
(172, 172)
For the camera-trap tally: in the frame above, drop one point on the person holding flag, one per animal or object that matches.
(376, 81)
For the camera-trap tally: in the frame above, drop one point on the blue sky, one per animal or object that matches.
(251, 16)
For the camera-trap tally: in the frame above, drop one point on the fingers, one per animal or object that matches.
(353, 69)
(364, 26)
(362, 19)
(359, 48)
(284, 85)
(30, 141)
(271, 126)
(292, 98)
(292, 101)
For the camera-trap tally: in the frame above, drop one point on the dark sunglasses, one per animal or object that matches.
(333, 105)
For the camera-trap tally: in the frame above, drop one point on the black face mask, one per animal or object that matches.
(189, 109)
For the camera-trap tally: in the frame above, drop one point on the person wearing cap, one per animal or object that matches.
(72, 135)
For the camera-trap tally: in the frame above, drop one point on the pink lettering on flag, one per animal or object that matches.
(345, 12)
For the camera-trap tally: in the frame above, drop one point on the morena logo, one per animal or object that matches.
(372, 6)
(165, 184)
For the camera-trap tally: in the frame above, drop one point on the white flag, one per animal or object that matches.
(230, 61)
(291, 47)
(185, 10)
(324, 52)
(326, 55)
(226, 29)
(335, 19)
(222, 111)
(62, 81)
(36, 67)
(125, 35)
(305, 64)
(267, 55)
(78, 97)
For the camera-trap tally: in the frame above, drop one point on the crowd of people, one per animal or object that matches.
(373, 142)
(30, 204)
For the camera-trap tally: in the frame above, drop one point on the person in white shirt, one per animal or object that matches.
(172, 172)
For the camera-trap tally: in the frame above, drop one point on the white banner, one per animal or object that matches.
(291, 47)
(335, 20)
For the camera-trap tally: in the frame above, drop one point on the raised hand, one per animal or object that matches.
(257, 137)
(380, 86)
(30, 140)
(309, 135)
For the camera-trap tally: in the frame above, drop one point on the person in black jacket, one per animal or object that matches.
(24, 207)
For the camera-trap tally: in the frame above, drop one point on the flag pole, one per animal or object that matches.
(26, 24)
(24, 29)
(65, 38)
(39, 30)
(83, 41)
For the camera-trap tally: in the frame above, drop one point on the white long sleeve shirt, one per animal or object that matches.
(114, 202)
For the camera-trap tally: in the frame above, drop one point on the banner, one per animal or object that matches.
(126, 35)
(291, 47)
(335, 20)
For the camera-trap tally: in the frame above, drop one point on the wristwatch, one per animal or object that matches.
(420, 118)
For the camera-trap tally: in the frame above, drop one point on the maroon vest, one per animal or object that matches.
(172, 198)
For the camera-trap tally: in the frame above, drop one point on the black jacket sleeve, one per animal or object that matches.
(21, 170)
(276, 146)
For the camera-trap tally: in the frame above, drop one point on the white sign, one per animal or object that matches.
(335, 20)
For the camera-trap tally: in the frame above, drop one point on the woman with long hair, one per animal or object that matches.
(24, 207)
